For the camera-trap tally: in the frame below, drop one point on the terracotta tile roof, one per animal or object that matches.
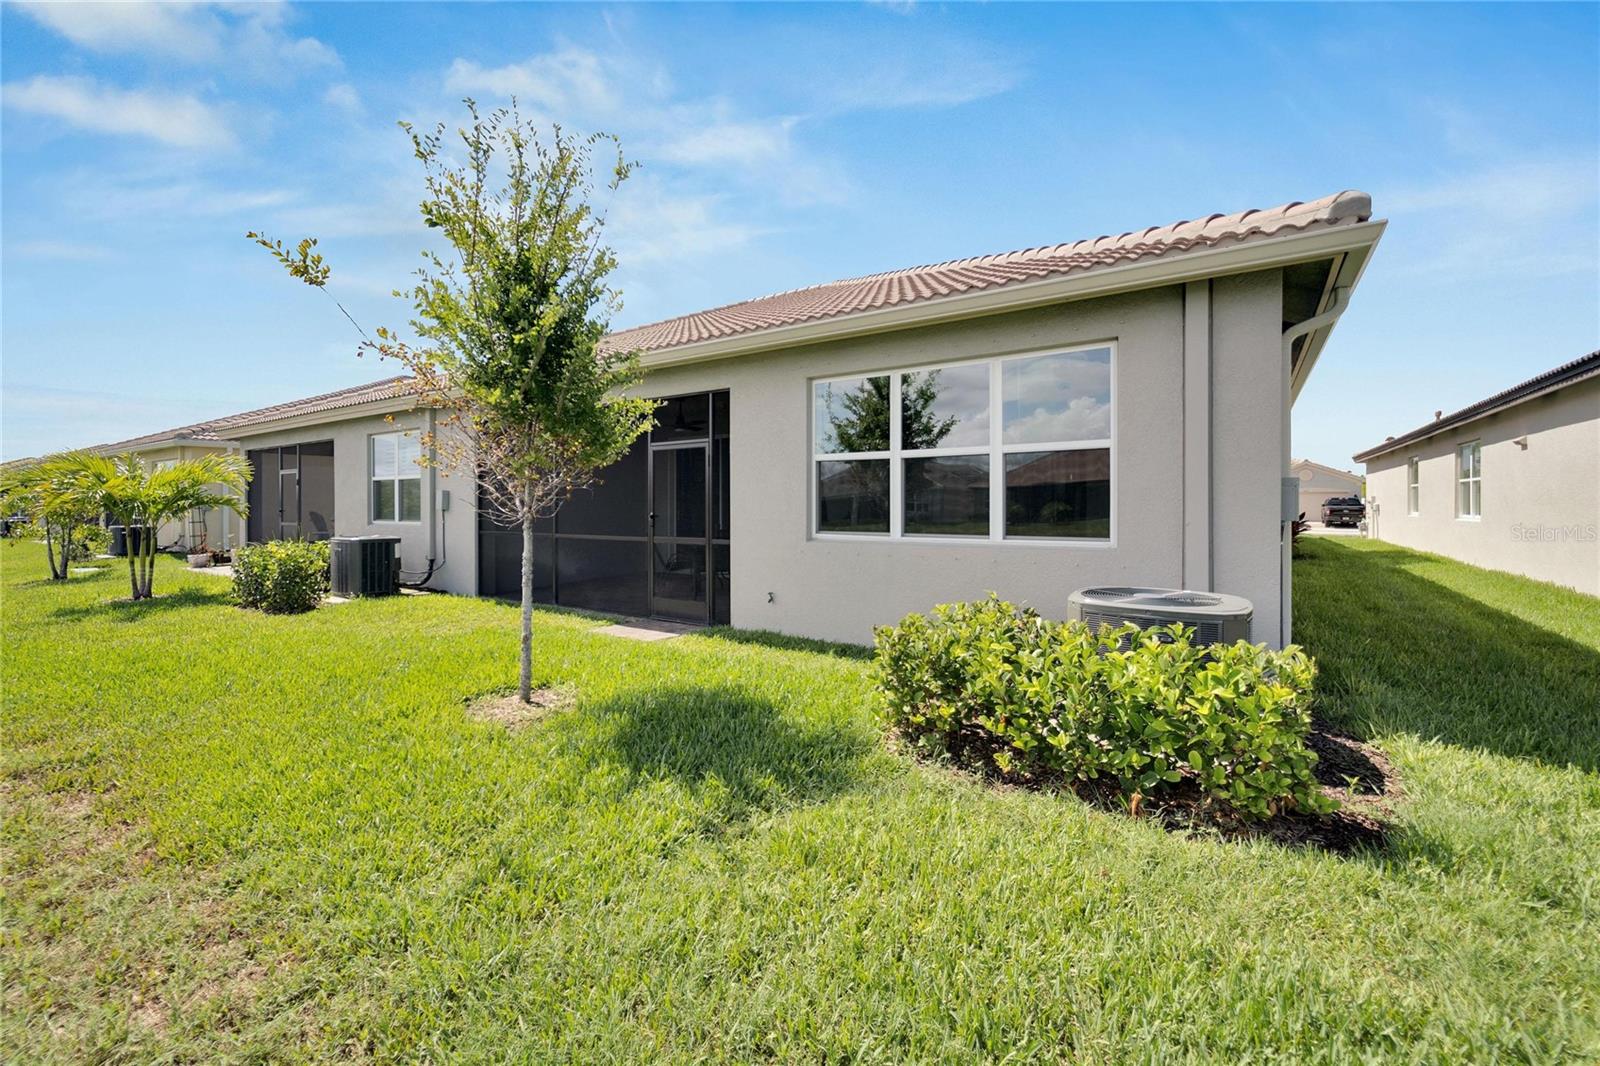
(1567, 374)
(200, 431)
(876, 291)
(387, 389)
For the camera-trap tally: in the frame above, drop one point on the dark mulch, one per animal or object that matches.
(1356, 774)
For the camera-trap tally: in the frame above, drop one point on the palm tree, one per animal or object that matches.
(36, 491)
(142, 497)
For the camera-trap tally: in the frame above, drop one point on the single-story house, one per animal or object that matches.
(211, 527)
(1318, 483)
(1109, 411)
(1510, 483)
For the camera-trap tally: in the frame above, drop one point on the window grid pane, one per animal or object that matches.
(947, 496)
(1010, 447)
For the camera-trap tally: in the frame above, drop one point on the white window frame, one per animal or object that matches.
(1473, 482)
(1413, 486)
(996, 450)
(372, 478)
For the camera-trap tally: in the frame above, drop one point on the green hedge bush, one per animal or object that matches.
(281, 577)
(1034, 695)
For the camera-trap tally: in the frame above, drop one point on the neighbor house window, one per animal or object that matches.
(396, 477)
(1469, 480)
(1413, 487)
(1016, 448)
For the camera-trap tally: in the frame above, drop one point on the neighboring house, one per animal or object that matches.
(1318, 482)
(1511, 482)
(213, 527)
(1113, 411)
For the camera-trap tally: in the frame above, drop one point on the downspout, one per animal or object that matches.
(435, 516)
(1336, 307)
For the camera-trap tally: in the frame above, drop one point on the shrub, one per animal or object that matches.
(90, 541)
(281, 577)
(1034, 695)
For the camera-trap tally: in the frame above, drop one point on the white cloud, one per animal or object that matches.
(570, 81)
(249, 36)
(1535, 218)
(1083, 418)
(92, 194)
(926, 73)
(171, 118)
(66, 251)
(1528, 189)
(650, 223)
(745, 143)
(343, 97)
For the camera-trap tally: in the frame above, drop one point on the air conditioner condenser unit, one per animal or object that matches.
(1215, 617)
(364, 566)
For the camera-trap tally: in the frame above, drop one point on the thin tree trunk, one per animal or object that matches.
(525, 679)
(133, 559)
(149, 547)
(50, 551)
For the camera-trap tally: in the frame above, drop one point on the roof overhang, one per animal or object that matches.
(1354, 243)
(1350, 265)
(160, 445)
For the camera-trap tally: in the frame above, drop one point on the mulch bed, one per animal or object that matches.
(1356, 774)
(507, 710)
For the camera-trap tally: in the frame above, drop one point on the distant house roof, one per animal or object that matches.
(388, 389)
(1300, 464)
(222, 429)
(1563, 376)
(852, 296)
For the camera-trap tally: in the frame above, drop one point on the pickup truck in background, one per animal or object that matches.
(1343, 511)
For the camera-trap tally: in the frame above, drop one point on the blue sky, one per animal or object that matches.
(781, 146)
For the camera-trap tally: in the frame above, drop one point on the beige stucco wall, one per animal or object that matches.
(1317, 483)
(1541, 504)
(221, 527)
(457, 542)
(840, 589)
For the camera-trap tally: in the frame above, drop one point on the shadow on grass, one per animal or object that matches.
(126, 610)
(699, 736)
(1398, 653)
(783, 642)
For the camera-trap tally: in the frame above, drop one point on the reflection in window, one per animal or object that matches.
(1064, 396)
(948, 495)
(1059, 494)
(853, 496)
(852, 415)
(945, 408)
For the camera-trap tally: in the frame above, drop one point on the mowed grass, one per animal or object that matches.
(230, 837)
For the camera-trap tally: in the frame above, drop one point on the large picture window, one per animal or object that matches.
(396, 477)
(1469, 480)
(1014, 448)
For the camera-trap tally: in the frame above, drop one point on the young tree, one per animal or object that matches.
(143, 497)
(512, 322)
(34, 491)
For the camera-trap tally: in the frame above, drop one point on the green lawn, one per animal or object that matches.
(235, 837)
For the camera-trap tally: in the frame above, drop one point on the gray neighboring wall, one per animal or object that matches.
(1540, 490)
